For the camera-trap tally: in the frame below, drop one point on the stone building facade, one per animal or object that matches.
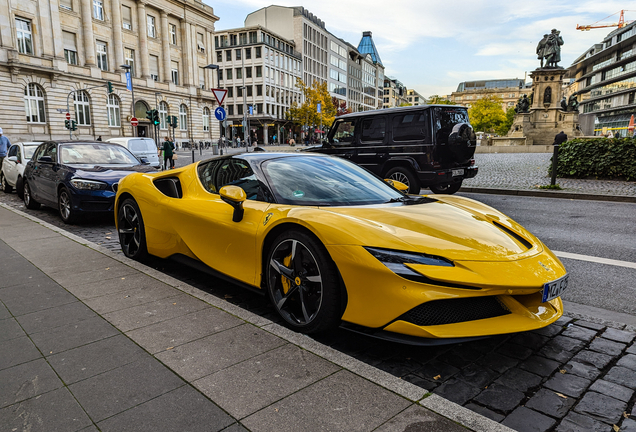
(394, 93)
(267, 66)
(66, 51)
(508, 90)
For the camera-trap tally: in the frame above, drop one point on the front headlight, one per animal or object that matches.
(396, 260)
(88, 184)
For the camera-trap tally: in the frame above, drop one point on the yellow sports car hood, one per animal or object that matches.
(452, 227)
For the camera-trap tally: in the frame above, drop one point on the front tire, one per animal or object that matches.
(29, 202)
(65, 207)
(302, 283)
(6, 187)
(405, 176)
(132, 234)
(448, 189)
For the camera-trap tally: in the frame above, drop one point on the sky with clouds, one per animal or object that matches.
(432, 46)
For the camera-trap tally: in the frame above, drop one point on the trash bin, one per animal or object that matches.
(215, 148)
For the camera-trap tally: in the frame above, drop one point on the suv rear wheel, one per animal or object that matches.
(405, 176)
(447, 189)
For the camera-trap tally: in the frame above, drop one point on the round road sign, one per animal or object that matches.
(134, 121)
(68, 116)
(219, 113)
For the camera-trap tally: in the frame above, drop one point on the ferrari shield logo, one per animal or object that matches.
(267, 218)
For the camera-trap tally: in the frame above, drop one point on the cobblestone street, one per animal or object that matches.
(573, 375)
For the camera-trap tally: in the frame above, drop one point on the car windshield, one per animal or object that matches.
(96, 154)
(325, 181)
(29, 150)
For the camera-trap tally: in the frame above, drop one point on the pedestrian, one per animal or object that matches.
(167, 153)
(99, 138)
(560, 138)
(4, 146)
(610, 134)
(238, 141)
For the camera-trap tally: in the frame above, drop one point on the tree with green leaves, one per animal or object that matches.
(435, 99)
(506, 125)
(486, 115)
(307, 112)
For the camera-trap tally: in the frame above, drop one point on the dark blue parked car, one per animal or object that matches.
(78, 177)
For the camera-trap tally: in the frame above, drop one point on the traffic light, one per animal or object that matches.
(149, 114)
(172, 121)
(109, 86)
(67, 124)
(155, 117)
(73, 125)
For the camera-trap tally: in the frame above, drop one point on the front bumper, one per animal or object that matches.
(87, 201)
(500, 297)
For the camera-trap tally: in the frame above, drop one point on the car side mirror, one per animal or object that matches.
(234, 196)
(144, 161)
(46, 159)
(13, 159)
(397, 184)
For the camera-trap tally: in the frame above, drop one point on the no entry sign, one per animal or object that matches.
(134, 121)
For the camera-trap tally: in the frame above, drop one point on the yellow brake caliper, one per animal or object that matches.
(286, 282)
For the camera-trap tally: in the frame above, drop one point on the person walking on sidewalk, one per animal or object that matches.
(4, 146)
(168, 148)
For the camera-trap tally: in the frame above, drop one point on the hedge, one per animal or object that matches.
(606, 158)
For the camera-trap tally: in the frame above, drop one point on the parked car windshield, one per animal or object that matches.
(325, 181)
(29, 150)
(96, 154)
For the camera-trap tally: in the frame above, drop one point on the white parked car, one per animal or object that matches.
(140, 147)
(13, 165)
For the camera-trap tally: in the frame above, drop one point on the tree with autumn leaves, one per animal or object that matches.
(307, 112)
(487, 115)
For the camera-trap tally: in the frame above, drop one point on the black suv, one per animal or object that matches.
(428, 146)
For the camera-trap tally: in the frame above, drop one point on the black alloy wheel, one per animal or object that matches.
(302, 283)
(65, 207)
(6, 187)
(29, 202)
(448, 188)
(405, 176)
(132, 236)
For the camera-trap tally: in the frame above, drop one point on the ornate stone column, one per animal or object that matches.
(186, 53)
(143, 39)
(165, 47)
(117, 39)
(89, 38)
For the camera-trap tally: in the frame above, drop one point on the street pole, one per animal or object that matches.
(555, 158)
(244, 97)
(128, 70)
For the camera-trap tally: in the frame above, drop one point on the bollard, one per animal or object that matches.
(555, 158)
(192, 154)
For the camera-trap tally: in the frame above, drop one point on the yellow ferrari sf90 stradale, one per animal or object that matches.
(332, 244)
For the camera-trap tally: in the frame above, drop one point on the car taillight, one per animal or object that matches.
(472, 162)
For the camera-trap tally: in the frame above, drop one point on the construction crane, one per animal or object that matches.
(620, 24)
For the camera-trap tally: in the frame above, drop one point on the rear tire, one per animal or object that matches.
(447, 189)
(132, 233)
(6, 187)
(405, 176)
(19, 187)
(303, 283)
(29, 202)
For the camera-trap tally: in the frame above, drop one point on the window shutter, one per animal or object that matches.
(69, 41)
(125, 15)
(154, 65)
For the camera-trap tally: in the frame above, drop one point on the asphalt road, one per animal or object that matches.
(593, 228)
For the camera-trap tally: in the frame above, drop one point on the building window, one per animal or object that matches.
(248, 53)
(230, 110)
(237, 54)
(98, 10)
(219, 56)
(240, 109)
(129, 59)
(102, 56)
(252, 37)
(239, 73)
(173, 34)
(230, 92)
(150, 20)
(257, 52)
(163, 115)
(175, 73)
(70, 49)
(113, 111)
(259, 71)
(233, 40)
(154, 67)
(249, 90)
(200, 44)
(248, 72)
(228, 74)
(25, 38)
(239, 92)
(228, 55)
(259, 90)
(126, 18)
(82, 108)
(34, 104)
(206, 119)
(66, 4)
(183, 117)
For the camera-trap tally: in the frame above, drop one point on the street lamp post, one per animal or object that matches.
(128, 70)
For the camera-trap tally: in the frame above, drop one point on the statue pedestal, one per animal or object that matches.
(546, 118)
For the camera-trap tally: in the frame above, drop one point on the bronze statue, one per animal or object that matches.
(523, 105)
(573, 104)
(564, 104)
(541, 48)
(552, 50)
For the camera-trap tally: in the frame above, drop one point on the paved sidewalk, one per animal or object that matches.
(93, 340)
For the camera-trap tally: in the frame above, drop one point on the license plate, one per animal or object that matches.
(554, 289)
(457, 172)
